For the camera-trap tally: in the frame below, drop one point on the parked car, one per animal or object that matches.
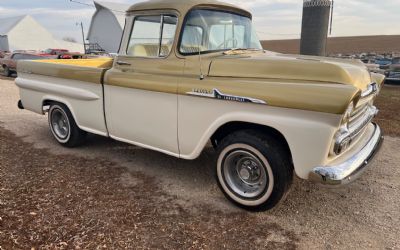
(3, 53)
(9, 62)
(373, 67)
(384, 63)
(192, 72)
(62, 54)
(393, 74)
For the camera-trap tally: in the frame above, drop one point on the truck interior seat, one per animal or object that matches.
(148, 50)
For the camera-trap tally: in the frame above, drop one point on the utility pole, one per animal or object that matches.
(83, 36)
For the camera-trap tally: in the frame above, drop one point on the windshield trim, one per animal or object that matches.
(184, 25)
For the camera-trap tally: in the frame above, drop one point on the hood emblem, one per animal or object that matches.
(216, 94)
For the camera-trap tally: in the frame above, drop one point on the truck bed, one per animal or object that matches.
(86, 70)
(76, 83)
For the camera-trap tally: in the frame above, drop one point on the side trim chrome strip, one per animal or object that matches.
(216, 94)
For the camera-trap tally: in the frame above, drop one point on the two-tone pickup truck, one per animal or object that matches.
(190, 72)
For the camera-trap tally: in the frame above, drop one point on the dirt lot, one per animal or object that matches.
(108, 194)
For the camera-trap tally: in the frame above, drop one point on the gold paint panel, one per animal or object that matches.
(85, 70)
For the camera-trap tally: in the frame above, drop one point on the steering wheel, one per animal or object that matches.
(233, 40)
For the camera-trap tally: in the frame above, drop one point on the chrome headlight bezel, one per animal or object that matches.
(342, 140)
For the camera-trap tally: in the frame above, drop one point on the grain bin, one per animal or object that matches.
(315, 26)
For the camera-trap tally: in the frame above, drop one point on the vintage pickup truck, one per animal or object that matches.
(190, 72)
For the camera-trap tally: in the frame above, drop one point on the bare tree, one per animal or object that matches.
(69, 39)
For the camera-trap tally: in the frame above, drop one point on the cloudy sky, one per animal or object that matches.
(274, 19)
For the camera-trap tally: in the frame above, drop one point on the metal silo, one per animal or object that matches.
(315, 26)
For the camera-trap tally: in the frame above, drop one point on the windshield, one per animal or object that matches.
(396, 60)
(213, 31)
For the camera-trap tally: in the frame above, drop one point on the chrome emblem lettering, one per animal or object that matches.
(215, 93)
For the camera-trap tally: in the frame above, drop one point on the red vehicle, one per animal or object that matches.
(61, 54)
(9, 62)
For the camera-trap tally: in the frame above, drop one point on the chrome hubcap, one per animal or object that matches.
(245, 174)
(60, 124)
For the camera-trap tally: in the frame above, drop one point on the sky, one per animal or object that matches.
(274, 19)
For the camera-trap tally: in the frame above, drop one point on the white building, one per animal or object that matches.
(25, 33)
(107, 25)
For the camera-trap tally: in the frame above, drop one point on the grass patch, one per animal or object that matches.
(388, 103)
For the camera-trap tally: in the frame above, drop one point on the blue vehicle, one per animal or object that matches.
(394, 70)
(384, 63)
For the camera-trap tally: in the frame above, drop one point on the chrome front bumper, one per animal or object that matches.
(353, 166)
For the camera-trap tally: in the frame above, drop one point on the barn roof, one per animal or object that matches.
(118, 9)
(8, 23)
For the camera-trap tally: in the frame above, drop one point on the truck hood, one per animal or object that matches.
(292, 67)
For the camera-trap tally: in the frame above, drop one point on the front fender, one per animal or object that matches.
(308, 134)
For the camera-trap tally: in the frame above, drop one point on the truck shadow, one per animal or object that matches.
(194, 181)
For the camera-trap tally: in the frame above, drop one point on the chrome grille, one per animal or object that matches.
(364, 112)
(360, 118)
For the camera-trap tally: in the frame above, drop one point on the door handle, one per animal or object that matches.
(122, 63)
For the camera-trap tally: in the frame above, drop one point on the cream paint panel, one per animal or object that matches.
(85, 100)
(144, 118)
(309, 134)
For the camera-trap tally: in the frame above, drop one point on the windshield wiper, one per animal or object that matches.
(241, 49)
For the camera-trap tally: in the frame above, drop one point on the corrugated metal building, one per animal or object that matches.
(107, 25)
(25, 33)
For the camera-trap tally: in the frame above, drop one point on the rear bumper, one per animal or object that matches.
(354, 165)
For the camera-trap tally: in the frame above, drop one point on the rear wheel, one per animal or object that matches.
(63, 126)
(254, 170)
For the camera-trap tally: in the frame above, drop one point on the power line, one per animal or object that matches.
(90, 5)
(73, 1)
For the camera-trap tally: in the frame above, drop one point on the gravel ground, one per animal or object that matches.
(108, 194)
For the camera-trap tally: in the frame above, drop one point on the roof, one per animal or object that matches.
(118, 9)
(184, 6)
(7, 24)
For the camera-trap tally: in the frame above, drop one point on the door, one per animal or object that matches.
(141, 89)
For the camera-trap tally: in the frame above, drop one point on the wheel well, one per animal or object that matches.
(48, 102)
(232, 127)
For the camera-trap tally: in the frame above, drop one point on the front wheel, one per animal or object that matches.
(254, 170)
(63, 126)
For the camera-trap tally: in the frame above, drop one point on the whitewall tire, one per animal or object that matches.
(253, 170)
(63, 126)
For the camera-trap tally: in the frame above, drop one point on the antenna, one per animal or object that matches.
(200, 60)
(331, 22)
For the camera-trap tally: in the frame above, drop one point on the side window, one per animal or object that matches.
(192, 39)
(17, 57)
(152, 36)
(168, 35)
(30, 57)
